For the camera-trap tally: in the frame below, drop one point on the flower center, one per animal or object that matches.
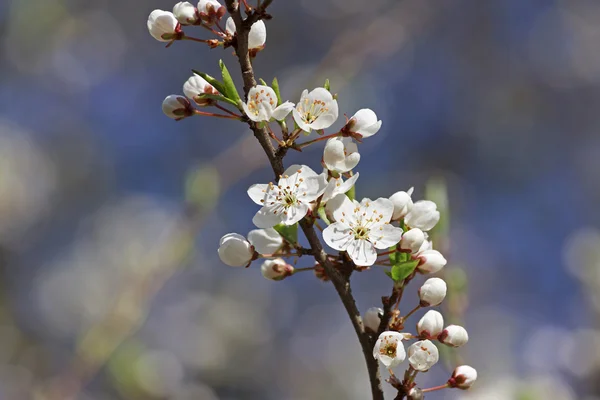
(360, 232)
(289, 199)
(256, 99)
(311, 111)
(389, 350)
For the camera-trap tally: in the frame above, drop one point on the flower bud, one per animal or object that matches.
(196, 86)
(454, 336)
(177, 107)
(163, 26)
(423, 215)
(402, 203)
(235, 250)
(430, 325)
(364, 122)
(389, 349)
(415, 394)
(430, 261)
(185, 13)
(423, 355)
(256, 37)
(210, 11)
(276, 269)
(372, 318)
(432, 292)
(340, 154)
(412, 240)
(265, 241)
(463, 377)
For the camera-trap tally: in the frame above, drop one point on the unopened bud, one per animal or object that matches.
(463, 377)
(412, 240)
(415, 394)
(235, 250)
(276, 269)
(402, 203)
(372, 318)
(430, 325)
(454, 336)
(177, 107)
(430, 261)
(423, 215)
(432, 292)
(185, 12)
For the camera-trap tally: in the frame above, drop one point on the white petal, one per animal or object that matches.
(258, 35)
(345, 210)
(265, 219)
(283, 110)
(294, 214)
(382, 207)
(265, 241)
(362, 252)
(338, 236)
(385, 236)
(258, 192)
(327, 119)
(299, 121)
(230, 26)
(321, 94)
(349, 163)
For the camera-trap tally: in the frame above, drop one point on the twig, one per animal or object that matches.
(341, 284)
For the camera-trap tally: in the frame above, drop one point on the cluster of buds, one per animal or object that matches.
(390, 232)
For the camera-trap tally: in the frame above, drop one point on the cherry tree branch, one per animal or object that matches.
(340, 282)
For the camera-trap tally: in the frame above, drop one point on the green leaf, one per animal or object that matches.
(323, 215)
(216, 84)
(388, 273)
(262, 82)
(217, 97)
(397, 257)
(351, 193)
(230, 90)
(275, 86)
(288, 232)
(402, 270)
(327, 85)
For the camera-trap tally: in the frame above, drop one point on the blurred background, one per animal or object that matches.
(112, 289)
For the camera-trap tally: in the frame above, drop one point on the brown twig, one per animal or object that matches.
(340, 282)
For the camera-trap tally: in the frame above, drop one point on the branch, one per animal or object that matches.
(341, 283)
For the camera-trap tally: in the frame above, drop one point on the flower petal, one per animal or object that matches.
(362, 252)
(385, 236)
(265, 219)
(338, 236)
(344, 212)
(294, 214)
(283, 110)
(258, 193)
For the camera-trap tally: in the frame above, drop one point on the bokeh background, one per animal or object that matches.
(110, 213)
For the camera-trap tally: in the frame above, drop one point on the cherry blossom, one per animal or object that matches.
(364, 123)
(316, 110)
(423, 355)
(389, 349)
(340, 154)
(262, 105)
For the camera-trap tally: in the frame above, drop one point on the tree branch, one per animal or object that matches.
(340, 282)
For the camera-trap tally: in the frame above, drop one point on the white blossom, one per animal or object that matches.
(257, 36)
(288, 201)
(360, 228)
(432, 292)
(423, 215)
(265, 241)
(235, 250)
(185, 12)
(372, 318)
(316, 110)
(463, 377)
(337, 186)
(402, 203)
(412, 240)
(340, 154)
(423, 355)
(210, 11)
(430, 261)
(276, 269)
(177, 107)
(364, 122)
(389, 349)
(430, 325)
(454, 336)
(196, 86)
(162, 25)
(262, 105)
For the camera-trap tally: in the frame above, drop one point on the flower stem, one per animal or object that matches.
(433, 389)
(414, 310)
(209, 114)
(385, 253)
(302, 145)
(193, 39)
(294, 135)
(274, 137)
(304, 269)
(220, 107)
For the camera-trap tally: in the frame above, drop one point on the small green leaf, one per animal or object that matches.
(397, 257)
(323, 215)
(230, 90)
(262, 82)
(388, 273)
(217, 97)
(275, 86)
(402, 270)
(288, 232)
(215, 83)
(351, 193)
(327, 85)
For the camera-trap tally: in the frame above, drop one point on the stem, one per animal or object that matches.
(274, 137)
(209, 114)
(387, 308)
(294, 135)
(340, 282)
(193, 39)
(220, 107)
(385, 253)
(296, 270)
(303, 145)
(433, 389)
(414, 310)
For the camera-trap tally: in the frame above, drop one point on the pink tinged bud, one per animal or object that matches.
(423, 215)
(185, 13)
(389, 349)
(402, 203)
(463, 377)
(372, 318)
(196, 86)
(210, 11)
(276, 269)
(235, 250)
(432, 292)
(412, 240)
(364, 122)
(177, 107)
(454, 336)
(430, 325)
(162, 25)
(423, 355)
(430, 261)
